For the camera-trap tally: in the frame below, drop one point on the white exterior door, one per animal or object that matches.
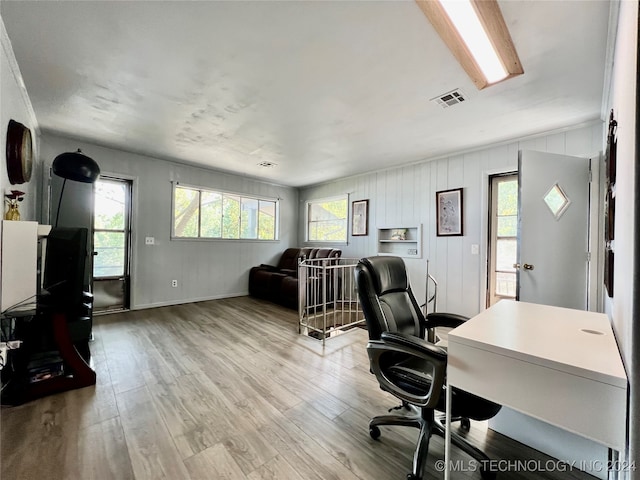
(554, 229)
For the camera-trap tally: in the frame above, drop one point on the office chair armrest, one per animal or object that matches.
(421, 346)
(421, 361)
(449, 320)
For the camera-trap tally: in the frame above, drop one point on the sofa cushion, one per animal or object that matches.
(327, 253)
(288, 296)
(308, 252)
(289, 259)
(259, 281)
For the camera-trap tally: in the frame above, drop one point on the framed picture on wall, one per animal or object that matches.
(360, 218)
(449, 222)
(610, 204)
(608, 271)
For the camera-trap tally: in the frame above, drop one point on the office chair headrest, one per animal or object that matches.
(389, 274)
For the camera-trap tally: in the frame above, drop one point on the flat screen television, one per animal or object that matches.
(64, 268)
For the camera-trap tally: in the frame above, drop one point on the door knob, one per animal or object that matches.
(527, 266)
(516, 266)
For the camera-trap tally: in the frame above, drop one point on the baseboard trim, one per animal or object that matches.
(191, 300)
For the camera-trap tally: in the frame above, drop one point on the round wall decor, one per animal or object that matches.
(19, 153)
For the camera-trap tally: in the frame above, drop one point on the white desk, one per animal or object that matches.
(559, 365)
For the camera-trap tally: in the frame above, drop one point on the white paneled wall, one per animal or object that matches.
(406, 196)
(624, 306)
(204, 269)
(16, 105)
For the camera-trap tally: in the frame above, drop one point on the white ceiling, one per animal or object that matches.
(323, 89)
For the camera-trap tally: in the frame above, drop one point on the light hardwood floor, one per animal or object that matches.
(224, 389)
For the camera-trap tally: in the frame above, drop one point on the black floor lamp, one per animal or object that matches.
(74, 166)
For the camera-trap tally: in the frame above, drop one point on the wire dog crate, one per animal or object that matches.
(328, 301)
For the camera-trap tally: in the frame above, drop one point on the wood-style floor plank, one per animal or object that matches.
(225, 389)
(102, 453)
(275, 469)
(214, 462)
(151, 449)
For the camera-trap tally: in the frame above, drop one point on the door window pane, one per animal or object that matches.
(506, 284)
(110, 259)
(506, 254)
(508, 198)
(556, 200)
(109, 205)
(507, 226)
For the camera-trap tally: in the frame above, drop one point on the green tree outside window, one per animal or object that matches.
(200, 213)
(327, 220)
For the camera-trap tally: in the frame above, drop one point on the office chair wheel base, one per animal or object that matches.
(488, 474)
(465, 424)
(374, 432)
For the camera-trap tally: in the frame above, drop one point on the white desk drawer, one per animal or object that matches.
(586, 407)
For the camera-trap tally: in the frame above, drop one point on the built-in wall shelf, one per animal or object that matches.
(400, 241)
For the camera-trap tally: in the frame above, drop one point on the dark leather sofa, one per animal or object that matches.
(279, 283)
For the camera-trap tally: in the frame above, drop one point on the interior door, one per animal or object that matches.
(553, 229)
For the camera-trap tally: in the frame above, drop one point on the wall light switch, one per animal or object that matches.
(149, 241)
(475, 249)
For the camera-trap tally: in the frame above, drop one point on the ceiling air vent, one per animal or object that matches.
(450, 98)
(267, 164)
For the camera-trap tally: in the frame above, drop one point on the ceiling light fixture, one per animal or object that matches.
(476, 34)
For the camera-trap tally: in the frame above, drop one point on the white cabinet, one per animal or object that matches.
(19, 270)
(19, 259)
(400, 241)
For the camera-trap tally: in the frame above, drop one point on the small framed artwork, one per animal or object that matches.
(360, 218)
(610, 203)
(608, 270)
(612, 147)
(449, 213)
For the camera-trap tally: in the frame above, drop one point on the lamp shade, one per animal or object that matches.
(76, 166)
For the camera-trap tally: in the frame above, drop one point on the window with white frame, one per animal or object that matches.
(327, 219)
(201, 213)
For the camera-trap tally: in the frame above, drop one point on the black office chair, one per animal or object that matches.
(408, 366)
